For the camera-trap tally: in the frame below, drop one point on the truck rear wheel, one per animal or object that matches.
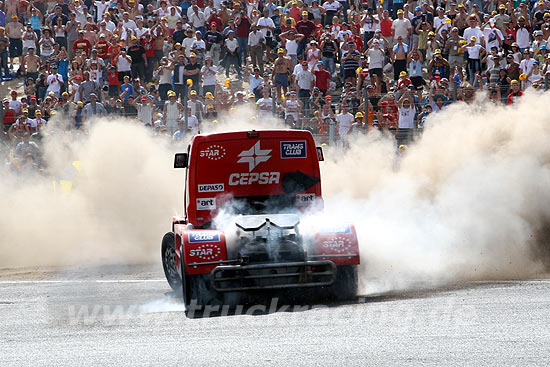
(168, 254)
(344, 287)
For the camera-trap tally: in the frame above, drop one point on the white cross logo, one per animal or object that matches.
(254, 156)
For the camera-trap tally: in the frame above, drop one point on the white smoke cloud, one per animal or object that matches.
(461, 205)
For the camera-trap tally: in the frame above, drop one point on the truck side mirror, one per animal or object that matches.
(180, 160)
(320, 155)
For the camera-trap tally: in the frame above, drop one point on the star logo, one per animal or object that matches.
(254, 156)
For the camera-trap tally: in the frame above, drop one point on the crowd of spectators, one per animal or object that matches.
(350, 65)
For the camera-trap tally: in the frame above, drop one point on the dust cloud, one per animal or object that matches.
(461, 204)
(120, 204)
(464, 203)
(122, 197)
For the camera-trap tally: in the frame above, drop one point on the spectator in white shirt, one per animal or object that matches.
(344, 122)
(305, 81)
(54, 81)
(256, 42)
(197, 19)
(474, 31)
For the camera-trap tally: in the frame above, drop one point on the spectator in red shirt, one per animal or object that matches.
(82, 44)
(403, 80)
(385, 25)
(515, 93)
(357, 39)
(147, 44)
(102, 47)
(243, 28)
(295, 11)
(305, 27)
(387, 115)
(9, 115)
(114, 82)
(322, 78)
(215, 18)
(114, 49)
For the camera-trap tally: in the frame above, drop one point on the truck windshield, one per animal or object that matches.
(264, 204)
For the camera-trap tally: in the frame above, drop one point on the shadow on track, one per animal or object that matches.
(261, 304)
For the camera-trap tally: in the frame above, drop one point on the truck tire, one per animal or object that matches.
(199, 293)
(344, 287)
(168, 254)
(196, 290)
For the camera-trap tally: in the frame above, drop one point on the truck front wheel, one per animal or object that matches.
(168, 254)
(344, 287)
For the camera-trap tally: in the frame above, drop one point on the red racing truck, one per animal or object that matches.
(264, 182)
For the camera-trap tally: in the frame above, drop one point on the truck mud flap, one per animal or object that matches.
(234, 278)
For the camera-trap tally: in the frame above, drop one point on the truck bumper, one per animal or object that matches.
(235, 278)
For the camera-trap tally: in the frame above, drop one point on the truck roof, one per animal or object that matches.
(252, 165)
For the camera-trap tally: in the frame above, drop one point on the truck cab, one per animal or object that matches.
(250, 172)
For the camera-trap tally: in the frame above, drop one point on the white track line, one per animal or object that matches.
(81, 281)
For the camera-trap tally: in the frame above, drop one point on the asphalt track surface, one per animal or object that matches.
(127, 317)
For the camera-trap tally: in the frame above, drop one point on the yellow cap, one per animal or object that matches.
(437, 51)
(25, 110)
(430, 33)
(305, 13)
(171, 93)
(359, 115)
(37, 112)
(193, 54)
(502, 6)
(64, 94)
(280, 51)
(400, 11)
(193, 93)
(14, 16)
(402, 147)
(52, 113)
(177, 44)
(403, 73)
(51, 93)
(209, 95)
(514, 82)
(523, 76)
(134, 38)
(251, 95)
(460, 5)
(79, 104)
(473, 38)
